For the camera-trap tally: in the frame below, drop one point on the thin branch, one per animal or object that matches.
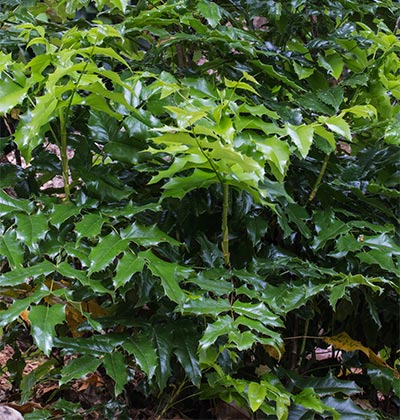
(319, 179)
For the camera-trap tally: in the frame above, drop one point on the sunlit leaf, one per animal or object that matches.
(256, 393)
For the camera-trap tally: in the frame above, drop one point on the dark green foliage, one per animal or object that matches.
(229, 199)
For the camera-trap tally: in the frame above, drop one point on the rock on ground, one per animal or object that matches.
(8, 413)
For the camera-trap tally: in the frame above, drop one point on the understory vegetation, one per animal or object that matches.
(199, 208)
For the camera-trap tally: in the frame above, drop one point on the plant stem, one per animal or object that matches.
(303, 344)
(319, 179)
(63, 153)
(225, 230)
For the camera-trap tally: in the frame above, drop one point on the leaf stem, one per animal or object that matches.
(225, 229)
(319, 179)
(63, 153)
(303, 343)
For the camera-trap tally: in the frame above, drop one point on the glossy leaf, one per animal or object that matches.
(61, 212)
(169, 273)
(349, 410)
(78, 368)
(146, 235)
(185, 352)
(21, 275)
(220, 327)
(90, 226)
(31, 229)
(340, 126)
(302, 137)
(116, 368)
(144, 352)
(12, 249)
(11, 205)
(43, 321)
(20, 305)
(164, 344)
(256, 394)
(105, 251)
(127, 266)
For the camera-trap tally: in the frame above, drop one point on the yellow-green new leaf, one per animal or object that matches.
(256, 394)
(338, 125)
(302, 137)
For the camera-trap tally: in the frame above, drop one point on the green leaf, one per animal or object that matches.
(12, 249)
(70, 272)
(338, 125)
(96, 345)
(29, 131)
(10, 205)
(212, 281)
(20, 305)
(10, 175)
(43, 321)
(31, 229)
(144, 352)
(333, 63)
(179, 187)
(240, 85)
(90, 226)
(164, 344)
(302, 137)
(210, 11)
(78, 368)
(348, 410)
(378, 257)
(327, 227)
(11, 95)
(328, 385)
(270, 70)
(185, 117)
(220, 327)
(256, 394)
(326, 135)
(337, 293)
(277, 154)
(392, 133)
(5, 61)
(301, 71)
(257, 311)
(170, 275)
(105, 251)
(362, 111)
(116, 368)
(382, 379)
(29, 380)
(21, 275)
(61, 212)
(309, 399)
(242, 341)
(127, 266)
(185, 352)
(333, 96)
(260, 327)
(146, 235)
(206, 306)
